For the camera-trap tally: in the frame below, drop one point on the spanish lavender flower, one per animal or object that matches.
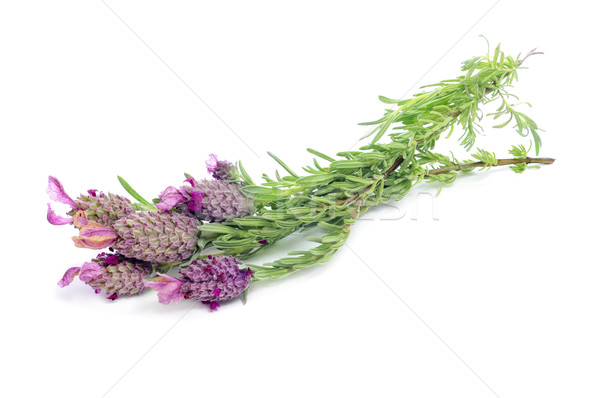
(214, 279)
(113, 275)
(156, 237)
(210, 281)
(220, 169)
(100, 207)
(210, 200)
(220, 200)
(103, 208)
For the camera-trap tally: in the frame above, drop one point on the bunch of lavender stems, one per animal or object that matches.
(232, 218)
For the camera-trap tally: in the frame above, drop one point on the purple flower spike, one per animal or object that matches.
(168, 288)
(220, 169)
(55, 219)
(68, 276)
(170, 198)
(57, 193)
(89, 271)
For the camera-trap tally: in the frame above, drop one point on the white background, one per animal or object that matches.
(498, 297)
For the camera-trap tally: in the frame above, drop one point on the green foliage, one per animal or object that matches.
(333, 194)
(487, 158)
(519, 151)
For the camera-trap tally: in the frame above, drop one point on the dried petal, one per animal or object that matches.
(90, 271)
(168, 288)
(68, 276)
(211, 163)
(55, 219)
(170, 198)
(91, 234)
(57, 193)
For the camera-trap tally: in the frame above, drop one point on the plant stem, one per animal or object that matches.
(501, 162)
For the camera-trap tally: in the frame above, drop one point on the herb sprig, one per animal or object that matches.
(336, 190)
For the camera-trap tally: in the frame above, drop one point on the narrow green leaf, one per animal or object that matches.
(320, 154)
(133, 193)
(348, 164)
(285, 166)
(245, 175)
(316, 180)
(259, 192)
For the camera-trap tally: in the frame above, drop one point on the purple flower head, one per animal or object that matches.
(168, 288)
(170, 198)
(125, 278)
(91, 234)
(214, 279)
(220, 169)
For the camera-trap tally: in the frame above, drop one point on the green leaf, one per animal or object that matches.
(285, 166)
(216, 228)
(244, 174)
(348, 164)
(252, 222)
(134, 194)
(316, 180)
(261, 193)
(321, 155)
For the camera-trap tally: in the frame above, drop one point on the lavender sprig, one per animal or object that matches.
(238, 218)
